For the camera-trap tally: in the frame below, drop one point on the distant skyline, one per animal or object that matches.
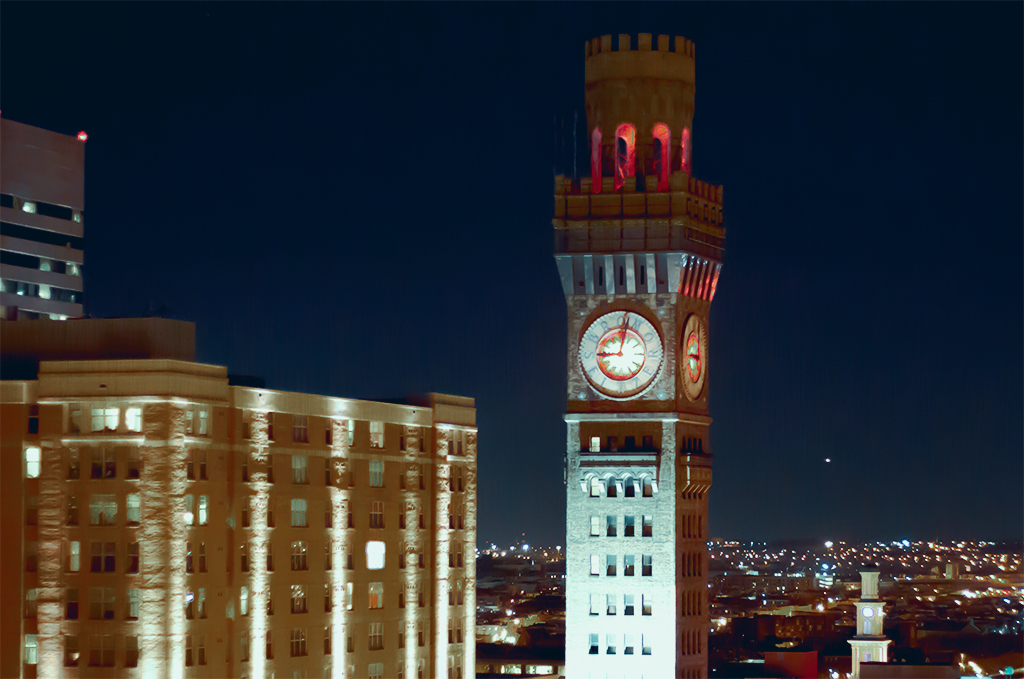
(356, 200)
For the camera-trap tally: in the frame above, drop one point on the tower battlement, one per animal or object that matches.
(603, 45)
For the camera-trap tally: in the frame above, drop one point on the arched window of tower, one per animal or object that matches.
(685, 147)
(662, 155)
(625, 154)
(595, 160)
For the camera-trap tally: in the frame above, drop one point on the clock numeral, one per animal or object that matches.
(587, 355)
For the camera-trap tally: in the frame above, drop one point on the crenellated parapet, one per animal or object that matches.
(689, 216)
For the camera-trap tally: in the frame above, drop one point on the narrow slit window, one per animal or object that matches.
(625, 154)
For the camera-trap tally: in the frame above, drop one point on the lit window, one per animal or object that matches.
(189, 515)
(685, 147)
(595, 487)
(298, 599)
(595, 444)
(204, 416)
(299, 550)
(243, 601)
(374, 555)
(105, 419)
(350, 428)
(300, 429)
(377, 434)
(31, 649)
(348, 595)
(595, 564)
(299, 513)
(103, 510)
(134, 508)
(74, 554)
(376, 473)
(32, 463)
(300, 464)
(133, 419)
(204, 510)
(376, 595)
(376, 669)
(133, 604)
(647, 604)
(611, 609)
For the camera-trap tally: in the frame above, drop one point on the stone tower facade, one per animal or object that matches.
(639, 248)
(869, 643)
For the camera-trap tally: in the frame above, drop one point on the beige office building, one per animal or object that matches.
(160, 521)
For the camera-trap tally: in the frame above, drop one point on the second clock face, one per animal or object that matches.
(620, 354)
(694, 356)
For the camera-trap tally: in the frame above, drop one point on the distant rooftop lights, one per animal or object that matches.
(82, 136)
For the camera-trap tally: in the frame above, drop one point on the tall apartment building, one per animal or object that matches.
(160, 521)
(42, 197)
(639, 247)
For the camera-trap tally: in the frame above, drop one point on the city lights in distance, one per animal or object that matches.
(82, 136)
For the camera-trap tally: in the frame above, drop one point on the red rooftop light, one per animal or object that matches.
(82, 136)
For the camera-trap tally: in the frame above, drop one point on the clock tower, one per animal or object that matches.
(869, 643)
(639, 247)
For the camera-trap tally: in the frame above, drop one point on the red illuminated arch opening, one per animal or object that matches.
(625, 153)
(662, 154)
(685, 148)
(595, 160)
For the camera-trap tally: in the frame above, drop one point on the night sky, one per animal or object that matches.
(356, 200)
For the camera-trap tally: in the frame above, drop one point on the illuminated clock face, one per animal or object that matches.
(693, 357)
(869, 612)
(621, 354)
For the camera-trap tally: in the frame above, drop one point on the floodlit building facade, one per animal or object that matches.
(42, 200)
(160, 521)
(639, 247)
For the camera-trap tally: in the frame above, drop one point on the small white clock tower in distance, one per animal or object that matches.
(869, 642)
